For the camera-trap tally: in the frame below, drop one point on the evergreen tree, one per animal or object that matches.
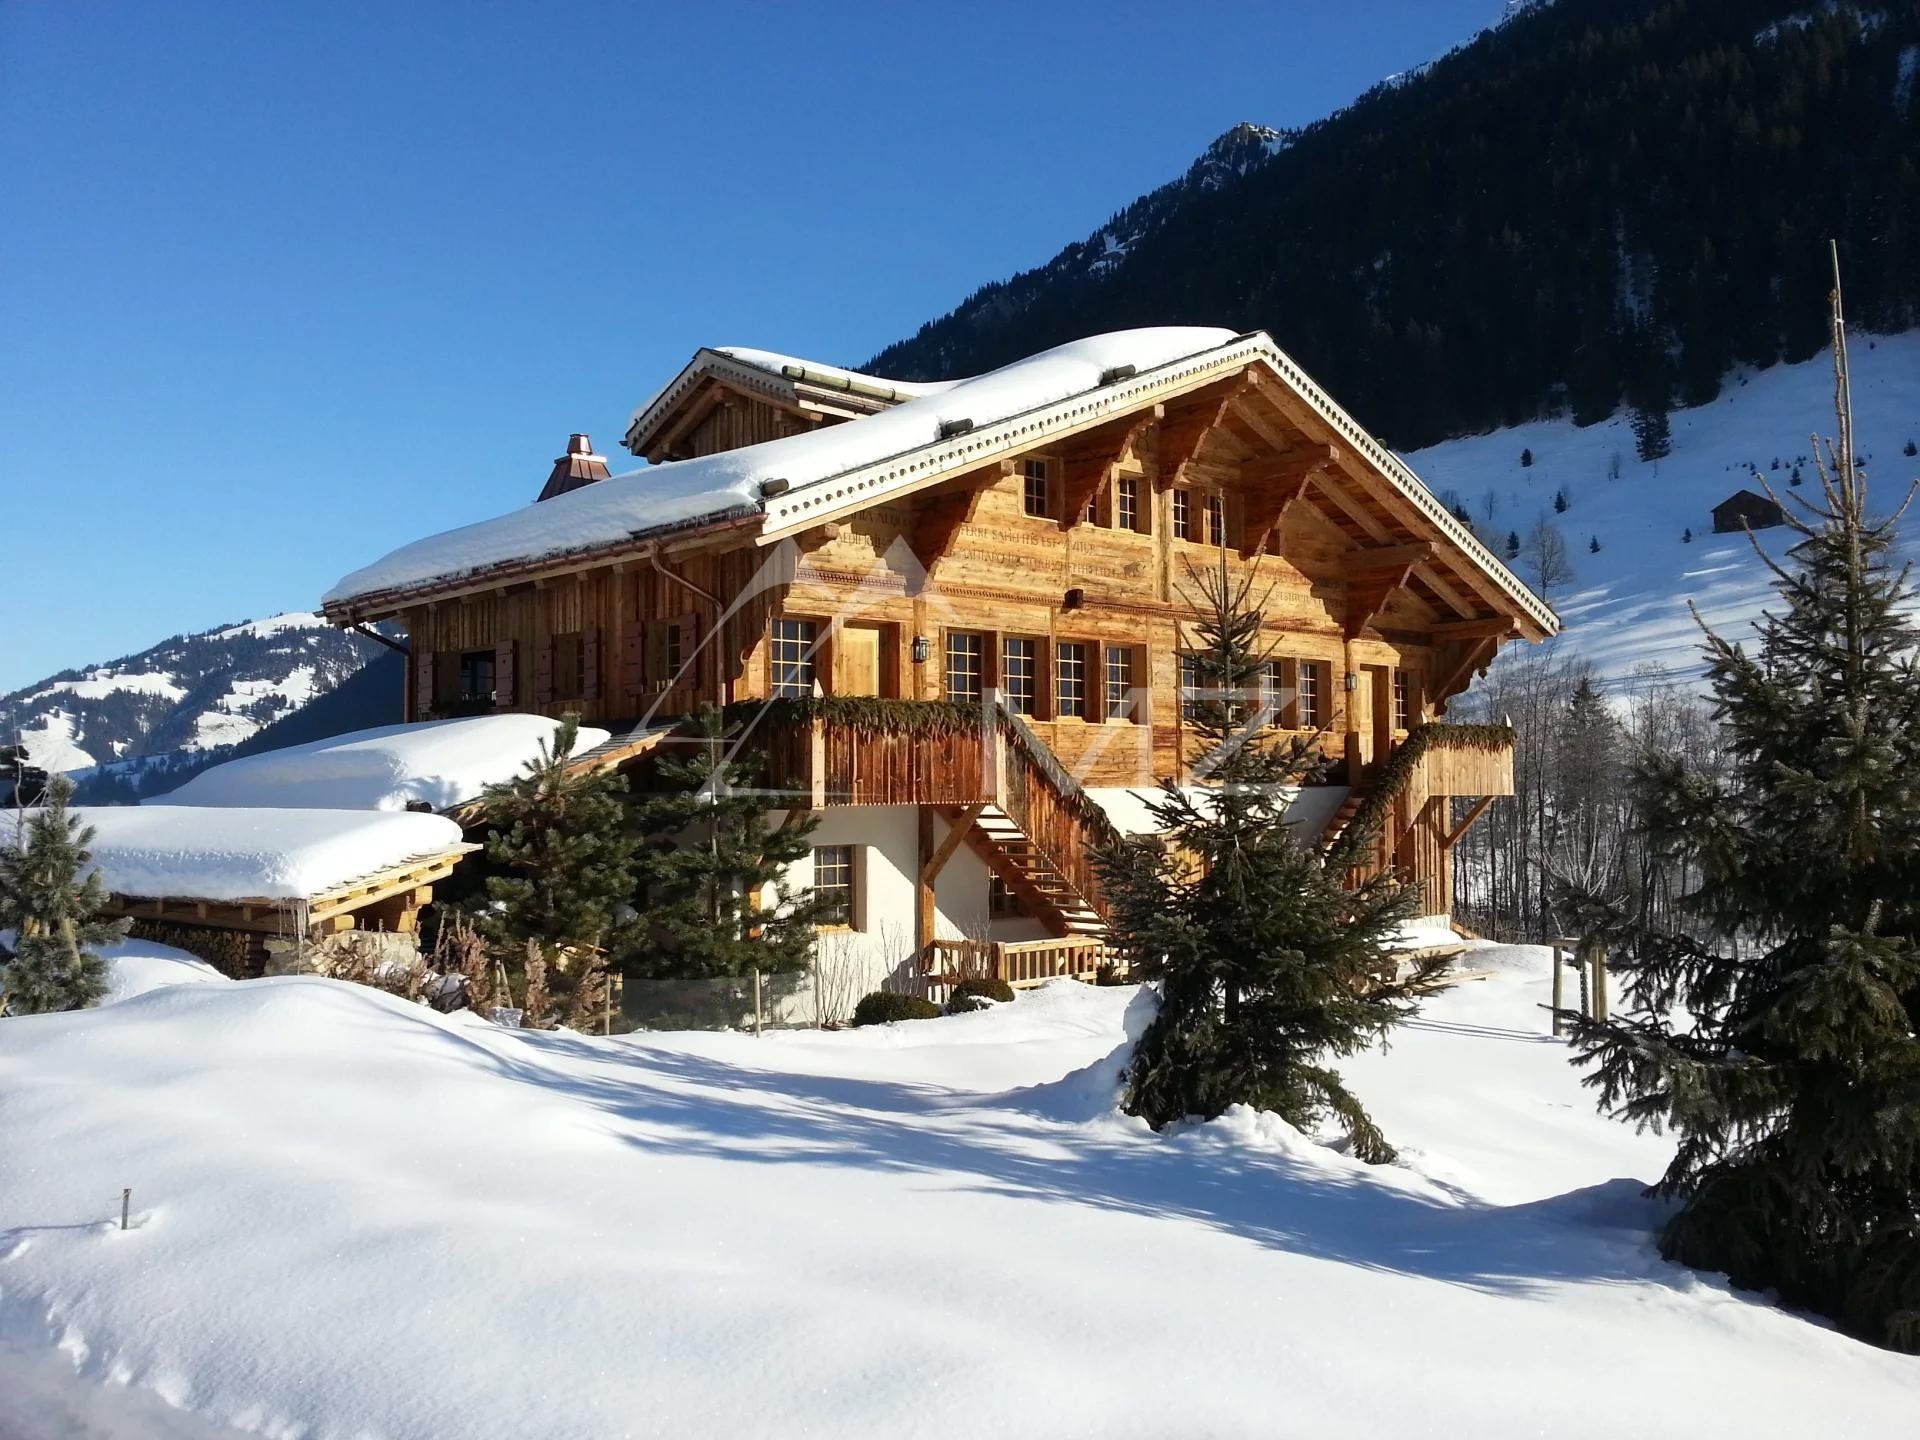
(706, 876)
(1652, 436)
(1593, 545)
(1268, 965)
(1686, 536)
(1792, 1083)
(1560, 502)
(1526, 459)
(562, 868)
(1910, 449)
(1513, 544)
(54, 913)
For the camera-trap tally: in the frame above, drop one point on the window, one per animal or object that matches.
(1189, 687)
(833, 878)
(963, 666)
(1312, 697)
(1216, 520)
(1119, 682)
(1273, 692)
(1070, 680)
(1001, 900)
(1126, 499)
(1402, 699)
(674, 656)
(1034, 482)
(1019, 674)
(476, 677)
(793, 647)
(1183, 514)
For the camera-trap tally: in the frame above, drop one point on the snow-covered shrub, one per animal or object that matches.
(883, 1007)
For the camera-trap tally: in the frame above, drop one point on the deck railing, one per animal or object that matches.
(1020, 963)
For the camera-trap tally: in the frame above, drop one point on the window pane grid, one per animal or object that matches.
(1070, 680)
(1189, 687)
(1310, 696)
(1034, 481)
(1127, 501)
(1402, 700)
(1272, 692)
(793, 642)
(963, 666)
(1216, 520)
(1018, 676)
(833, 878)
(1119, 682)
(1183, 515)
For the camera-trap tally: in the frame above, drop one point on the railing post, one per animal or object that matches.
(817, 762)
(1559, 963)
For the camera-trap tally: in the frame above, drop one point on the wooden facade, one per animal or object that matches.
(1055, 574)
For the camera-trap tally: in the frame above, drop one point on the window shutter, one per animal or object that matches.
(543, 674)
(590, 663)
(689, 624)
(423, 687)
(633, 659)
(503, 675)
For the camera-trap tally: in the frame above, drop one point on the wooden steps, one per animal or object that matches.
(1031, 873)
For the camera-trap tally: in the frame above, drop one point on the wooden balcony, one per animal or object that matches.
(1021, 963)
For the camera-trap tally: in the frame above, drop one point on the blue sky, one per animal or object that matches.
(287, 285)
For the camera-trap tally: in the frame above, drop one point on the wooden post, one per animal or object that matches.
(1602, 1006)
(756, 1001)
(1559, 963)
(126, 1205)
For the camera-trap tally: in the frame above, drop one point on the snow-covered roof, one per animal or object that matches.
(713, 487)
(831, 471)
(768, 373)
(439, 762)
(205, 853)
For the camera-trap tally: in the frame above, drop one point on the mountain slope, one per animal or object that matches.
(1626, 605)
(168, 708)
(1594, 201)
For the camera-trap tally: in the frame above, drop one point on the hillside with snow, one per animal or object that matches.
(122, 725)
(1626, 606)
(941, 1227)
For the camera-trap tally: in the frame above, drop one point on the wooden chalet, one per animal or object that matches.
(1747, 510)
(858, 564)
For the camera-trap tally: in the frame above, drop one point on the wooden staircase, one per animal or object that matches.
(1031, 873)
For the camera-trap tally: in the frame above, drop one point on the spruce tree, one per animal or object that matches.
(1792, 1080)
(712, 880)
(54, 913)
(561, 862)
(1652, 436)
(1268, 965)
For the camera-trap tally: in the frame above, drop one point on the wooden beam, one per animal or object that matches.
(1182, 434)
(1450, 597)
(1479, 809)
(1473, 656)
(1481, 627)
(1271, 488)
(938, 521)
(1373, 575)
(1087, 466)
(959, 821)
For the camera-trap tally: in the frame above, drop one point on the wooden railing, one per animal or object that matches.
(1055, 811)
(1018, 962)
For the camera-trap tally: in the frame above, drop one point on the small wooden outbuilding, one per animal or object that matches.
(1744, 510)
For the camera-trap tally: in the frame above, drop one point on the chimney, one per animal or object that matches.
(579, 466)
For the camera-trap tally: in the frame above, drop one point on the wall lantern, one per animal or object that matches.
(920, 648)
(1353, 681)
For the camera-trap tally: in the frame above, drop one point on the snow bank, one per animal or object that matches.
(137, 966)
(441, 763)
(351, 1213)
(247, 854)
(712, 486)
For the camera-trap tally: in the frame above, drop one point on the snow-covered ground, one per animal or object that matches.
(354, 1217)
(1627, 603)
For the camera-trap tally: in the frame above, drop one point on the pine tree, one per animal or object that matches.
(1513, 544)
(1910, 449)
(713, 860)
(1526, 458)
(1686, 536)
(562, 861)
(54, 913)
(1652, 436)
(1593, 545)
(1560, 502)
(1791, 1083)
(1268, 965)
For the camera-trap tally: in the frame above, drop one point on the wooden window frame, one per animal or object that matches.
(847, 858)
(778, 687)
(1187, 680)
(1213, 510)
(1182, 516)
(1034, 678)
(1128, 512)
(1406, 707)
(470, 661)
(1312, 686)
(1126, 709)
(1003, 901)
(1036, 486)
(1077, 671)
(967, 695)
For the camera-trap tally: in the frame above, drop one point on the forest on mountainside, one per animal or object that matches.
(1594, 203)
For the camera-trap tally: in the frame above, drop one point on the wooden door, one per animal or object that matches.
(1379, 680)
(856, 660)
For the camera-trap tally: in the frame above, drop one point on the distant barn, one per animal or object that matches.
(1744, 510)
